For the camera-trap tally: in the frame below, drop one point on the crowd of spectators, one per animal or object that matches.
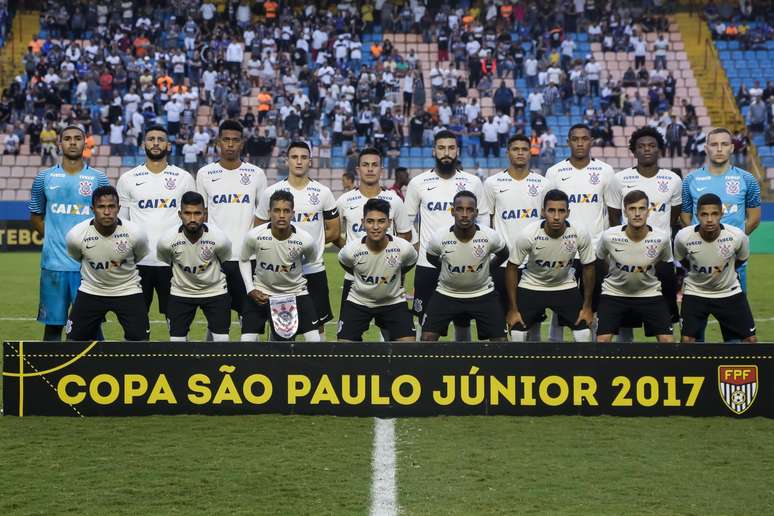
(117, 66)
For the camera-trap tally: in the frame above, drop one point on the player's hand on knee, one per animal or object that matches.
(585, 315)
(513, 320)
(258, 296)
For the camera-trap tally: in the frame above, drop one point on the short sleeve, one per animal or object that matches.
(37, 202)
(489, 194)
(412, 200)
(201, 188)
(680, 250)
(483, 202)
(613, 194)
(345, 257)
(666, 250)
(400, 218)
(521, 249)
(309, 251)
(190, 185)
(585, 248)
(73, 239)
(743, 248)
(141, 249)
(124, 196)
(677, 193)
(248, 246)
(434, 245)
(687, 198)
(409, 257)
(262, 211)
(102, 179)
(163, 251)
(753, 196)
(496, 243)
(602, 249)
(223, 249)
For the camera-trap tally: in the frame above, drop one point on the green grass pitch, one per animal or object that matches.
(313, 465)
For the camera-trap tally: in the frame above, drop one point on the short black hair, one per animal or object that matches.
(102, 191)
(720, 130)
(635, 196)
(299, 144)
(157, 127)
(518, 138)
(647, 131)
(73, 126)
(376, 205)
(709, 199)
(401, 170)
(282, 195)
(349, 175)
(465, 193)
(578, 126)
(230, 125)
(556, 195)
(445, 133)
(192, 198)
(369, 151)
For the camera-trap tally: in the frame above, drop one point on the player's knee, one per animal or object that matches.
(581, 335)
(178, 339)
(247, 337)
(220, 337)
(313, 336)
(518, 336)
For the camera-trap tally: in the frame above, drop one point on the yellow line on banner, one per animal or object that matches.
(21, 378)
(57, 368)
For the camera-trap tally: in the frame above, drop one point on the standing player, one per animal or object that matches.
(195, 250)
(463, 255)
(378, 263)
(631, 292)
(350, 206)
(150, 197)
(515, 197)
(315, 213)
(664, 189)
(738, 191)
(61, 198)
(277, 291)
(711, 252)
(429, 205)
(231, 189)
(548, 280)
(108, 249)
(585, 180)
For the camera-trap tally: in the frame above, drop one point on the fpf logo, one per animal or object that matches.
(738, 386)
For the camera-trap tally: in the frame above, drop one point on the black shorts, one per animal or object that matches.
(498, 278)
(653, 311)
(425, 283)
(599, 276)
(158, 279)
(88, 312)
(317, 285)
(665, 272)
(733, 313)
(255, 316)
(182, 310)
(235, 285)
(355, 319)
(486, 310)
(566, 304)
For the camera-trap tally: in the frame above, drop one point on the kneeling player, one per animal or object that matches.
(277, 291)
(108, 249)
(711, 253)
(377, 262)
(631, 290)
(195, 251)
(462, 253)
(548, 280)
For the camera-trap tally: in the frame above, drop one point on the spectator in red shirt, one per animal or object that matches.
(106, 85)
(401, 181)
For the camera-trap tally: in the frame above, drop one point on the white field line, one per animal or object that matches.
(384, 497)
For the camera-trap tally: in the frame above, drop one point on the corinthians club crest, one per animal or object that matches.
(594, 178)
(479, 250)
(651, 250)
(206, 252)
(122, 246)
(738, 386)
(170, 183)
(461, 185)
(245, 178)
(532, 190)
(663, 186)
(284, 315)
(85, 188)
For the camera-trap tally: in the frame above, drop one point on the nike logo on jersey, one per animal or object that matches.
(701, 189)
(431, 188)
(506, 190)
(138, 184)
(54, 187)
(216, 179)
(265, 248)
(90, 246)
(539, 248)
(619, 250)
(565, 178)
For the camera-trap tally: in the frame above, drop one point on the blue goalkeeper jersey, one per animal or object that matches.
(737, 189)
(64, 200)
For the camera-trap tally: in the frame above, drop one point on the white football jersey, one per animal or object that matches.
(711, 268)
(632, 265)
(231, 197)
(430, 197)
(279, 263)
(550, 260)
(465, 265)
(514, 204)
(377, 278)
(108, 263)
(664, 190)
(350, 205)
(196, 268)
(312, 206)
(586, 189)
(152, 201)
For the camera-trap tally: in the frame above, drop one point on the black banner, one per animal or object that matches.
(18, 235)
(386, 379)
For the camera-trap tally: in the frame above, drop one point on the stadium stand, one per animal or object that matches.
(346, 75)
